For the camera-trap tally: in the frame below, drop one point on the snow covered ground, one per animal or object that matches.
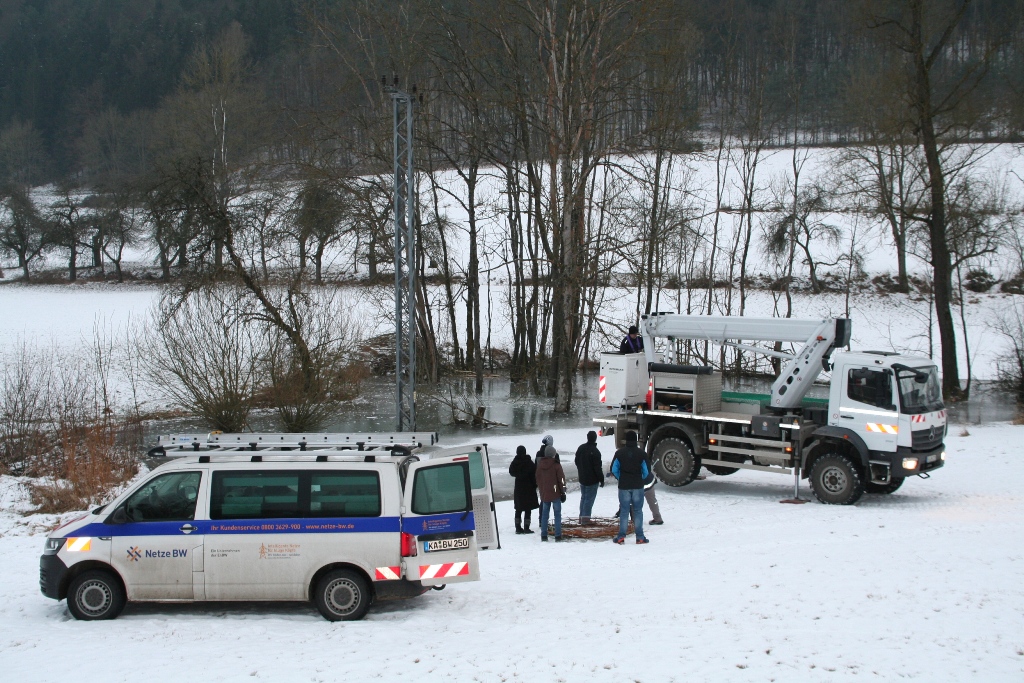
(926, 584)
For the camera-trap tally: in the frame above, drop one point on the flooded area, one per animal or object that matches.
(516, 411)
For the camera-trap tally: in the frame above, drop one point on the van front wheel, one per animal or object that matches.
(342, 595)
(95, 594)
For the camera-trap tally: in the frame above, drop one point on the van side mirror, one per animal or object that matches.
(119, 517)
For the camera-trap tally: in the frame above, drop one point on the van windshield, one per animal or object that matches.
(919, 397)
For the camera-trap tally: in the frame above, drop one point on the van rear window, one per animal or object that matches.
(441, 489)
(280, 494)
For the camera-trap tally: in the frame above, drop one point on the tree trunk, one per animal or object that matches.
(942, 275)
(73, 262)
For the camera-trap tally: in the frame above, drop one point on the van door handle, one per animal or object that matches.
(846, 417)
(187, 528)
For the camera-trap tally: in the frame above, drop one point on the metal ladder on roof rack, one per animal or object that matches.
(255, 441)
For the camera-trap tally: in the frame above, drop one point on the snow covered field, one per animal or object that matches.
(926, 584)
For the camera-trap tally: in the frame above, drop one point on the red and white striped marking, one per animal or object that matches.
(444, 571)
(881, 428)
(918, 418)
(387, 573)
(602, 390)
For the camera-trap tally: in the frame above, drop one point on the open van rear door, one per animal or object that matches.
(483, 493)
(438, 525)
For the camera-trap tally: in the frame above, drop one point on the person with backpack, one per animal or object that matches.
(551, 484)
(630, 467)
(525, 494)
(590, 473)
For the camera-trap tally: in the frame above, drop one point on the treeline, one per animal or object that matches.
(258, 161)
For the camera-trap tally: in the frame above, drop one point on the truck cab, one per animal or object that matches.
(889, 406)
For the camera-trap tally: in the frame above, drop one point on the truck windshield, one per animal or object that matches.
(919, 397)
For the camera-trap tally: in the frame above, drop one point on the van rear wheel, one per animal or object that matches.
(342, 595)
(94, 595)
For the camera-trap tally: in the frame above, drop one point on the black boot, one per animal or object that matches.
(526, 522)
(519, 523)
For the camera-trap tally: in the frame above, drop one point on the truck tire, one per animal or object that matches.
(674, 463)
(342, 595)
(835, 480)
(95, 594)
(894, 483)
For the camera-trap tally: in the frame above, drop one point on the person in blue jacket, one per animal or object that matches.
(630, 467)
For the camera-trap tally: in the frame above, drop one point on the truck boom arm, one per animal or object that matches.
(819, 338)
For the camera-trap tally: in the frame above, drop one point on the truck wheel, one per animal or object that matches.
(835, 480)
(894, 483)
(342, 595)
(95, 594)
(674, 464)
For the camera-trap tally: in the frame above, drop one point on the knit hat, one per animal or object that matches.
(633, 329)
(592, 436)
(550, 452)
(521, 450)
(630, 437)
(548, 440)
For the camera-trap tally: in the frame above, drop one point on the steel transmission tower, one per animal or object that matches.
(405, 259)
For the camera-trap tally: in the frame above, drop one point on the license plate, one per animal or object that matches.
(932, 458)
(446, 544)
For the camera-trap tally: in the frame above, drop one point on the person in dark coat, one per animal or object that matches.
(525, 496)
(630, 467)
(632, 342)
(551, 484)
(591, 476)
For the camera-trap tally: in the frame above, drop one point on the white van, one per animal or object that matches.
(340, 528)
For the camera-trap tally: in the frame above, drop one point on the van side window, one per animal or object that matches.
(344, 494)
(168, 498)
(441, 489)
(255, 495)
(872, 387)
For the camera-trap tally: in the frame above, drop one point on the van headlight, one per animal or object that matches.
(910, 463)
(942, 456)
(53, 546)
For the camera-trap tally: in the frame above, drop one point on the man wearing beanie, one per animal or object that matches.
(630, 468)
(591, 475)
(551, 484)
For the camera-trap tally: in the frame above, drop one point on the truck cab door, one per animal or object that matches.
(438, 521)
(867, 407)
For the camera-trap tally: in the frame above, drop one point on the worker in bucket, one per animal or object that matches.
(632, 342)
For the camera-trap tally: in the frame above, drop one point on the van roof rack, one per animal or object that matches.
(272, 456)
(284, 442)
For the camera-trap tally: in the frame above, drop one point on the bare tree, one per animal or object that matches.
(940, 82)
(24, 231)
(202, 354)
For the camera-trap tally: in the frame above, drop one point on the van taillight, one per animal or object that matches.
(408, 545)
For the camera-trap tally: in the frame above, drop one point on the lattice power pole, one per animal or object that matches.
(405, 259)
